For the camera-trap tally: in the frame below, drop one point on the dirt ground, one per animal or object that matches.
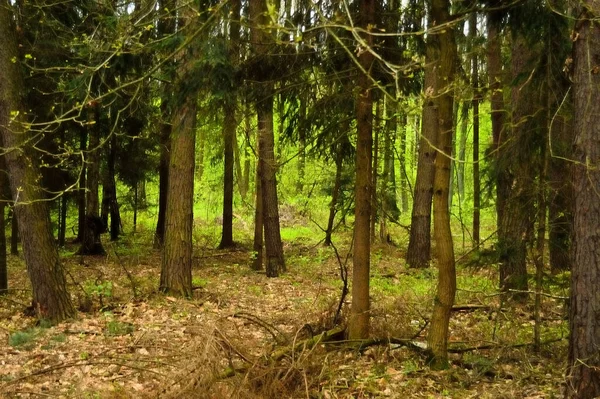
(246, 336)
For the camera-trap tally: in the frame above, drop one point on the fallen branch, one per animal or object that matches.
(469, 308)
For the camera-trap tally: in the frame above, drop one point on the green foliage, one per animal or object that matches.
(117, 328)
(23, 339)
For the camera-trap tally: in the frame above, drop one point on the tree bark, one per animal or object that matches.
(81, 193)
(475, 106)
(339, 158)
(166, 26)
(444, 41)
(3, 264)
(419, 246)
(229, 127)
(176, 270)
(515, 165)
(261, 38)
(360, 310)
(110, 205)
(93, 227)
(583, 375)
(50, 297)
(229, 132)
(14, 234)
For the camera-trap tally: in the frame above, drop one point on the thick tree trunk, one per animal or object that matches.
(375, 170)
(176, 270)
(361, 304)
(166, 26)
(437, 338)
(50, 297)
(583, 376)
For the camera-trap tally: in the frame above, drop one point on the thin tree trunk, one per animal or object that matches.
(374, 170)
(361, 304)
(3, 265)
(110, 205)
(462, 150)
(92, 244)
(302, 148)
(50, 297)
(166, 26)
(81, 194)
(262, 39)
(339, 157)
(437, 338)
(62, 219)
(475, 105)
(403, 175)
(583, 373)
(257, 261)
(14, 234)
(229, 127)
(229, 131)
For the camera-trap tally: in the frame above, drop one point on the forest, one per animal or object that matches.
(300, 199)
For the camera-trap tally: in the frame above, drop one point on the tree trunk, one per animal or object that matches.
(229, 131)
(437, 338)
(3, 265)
(166, 26)
(475, 105)
(583, 375)
(462, 150)
(110, 206)
(360, 310)
(514, 163)
(94, 226)
(419, 245)
(50, 297)
(62, 219)
(229, 127)
(14, 234)
(403, 178)
(301, 147)
(494, 61)
(375, 170)
(339, 158)
(272, 236)
(261, 39)
(176, 270)
(81, 194)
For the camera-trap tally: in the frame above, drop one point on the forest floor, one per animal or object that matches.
(243, 335)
